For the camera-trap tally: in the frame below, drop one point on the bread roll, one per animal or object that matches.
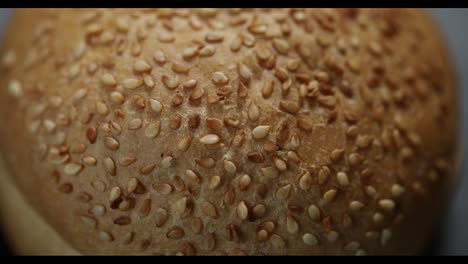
(212, 132)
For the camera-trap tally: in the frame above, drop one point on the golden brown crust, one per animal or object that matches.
(230, 131)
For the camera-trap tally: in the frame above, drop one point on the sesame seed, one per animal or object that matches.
(122, 220)
(329, 196)
(244, 182)
(108, 79)
(291, 225)
(111, 143)
(209, 209)
(355, 159)
(214, 182)
(114, 194)
(352, 246)
(397, 190)
(207, 51)
(117, 97)
(175, 233)
(361, 252)
(90, 161)
(159, 57)
(98, 210)
(377, 217)
(256, 157)
(145, 208)
(370, 191)
(153, 129)
(135, 123)
(230, 167)
(270, 172)
(281, 46)
(184, 143)
(283, 192)
(387, 204)
(314, 212)
(160, 217)
(163, 188)
(277, 241)
(105, 236)
(385, 236)
(126, 161)
(166, 162)
(336, 154)
(242, 211)
(253, 112)
(100, 186)
(289, 106)
(109, 165)
(244, 72)
(14, 88)
(189, 52)
(65, 188)
(155, 105)
(73, 71)
(323, 174)
(214, 37)
(72, 168)
(147, 169)
(132, 83)
(171, 82)
(332, 236)
(206, 162)
(196, 225)
(220, 78)
(342, 178)
(356, 205)
(141, 66)
(9, 58)
(259, 211)
(309, 239)
(261, 236)
(305, 181)
(132, 184)
(210, 139)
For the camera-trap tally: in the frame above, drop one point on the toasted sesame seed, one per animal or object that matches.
(15, 88)
(196, 225)
(214, 182)
(253, 112)
(397, 190)
(242, 211)
(189, 52)
(117, 97)
(244, 72)
(220, 78)
(184, 143)
(159, 57)
(214, 37)
(283, 192)
(329, 196)
(309, 239)
(122, 220)
(147, 169)
(166, 162)
(352, 246)
(260, 132)
(109, 165)
(132, 184)
(100, 186)
(98, 210)
(289, 106)
(209, 209)
(244, 182)
(141, 66)
(370, 191)
(135, 123)
(72, 168)
(355, 205)
(291, 225)
(270, 172)
(385, 236)
(305, 181)
(281, 46)
(126, 161)
(277, 241)
(355, 159)
(160, 217)
(90, 161)
(230, 167)
(132, 83)
(332, 236)
(387, 204)
(256, 157)
(153, 129)
(207, 51)
(108, 79)
(155, 105)
(115, 193)
(171, 82)
(162, 188)
(206, 162)
(111, 143)
(175, 233)
(377, 217)
(342, 178)
(336, 154)
(105, 236)
(145, 208)
(210, 139)
(314, 212)
(323, 175)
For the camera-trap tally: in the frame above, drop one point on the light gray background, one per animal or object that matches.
(452, 238)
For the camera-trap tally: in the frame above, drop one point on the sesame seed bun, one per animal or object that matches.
(212, 132)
